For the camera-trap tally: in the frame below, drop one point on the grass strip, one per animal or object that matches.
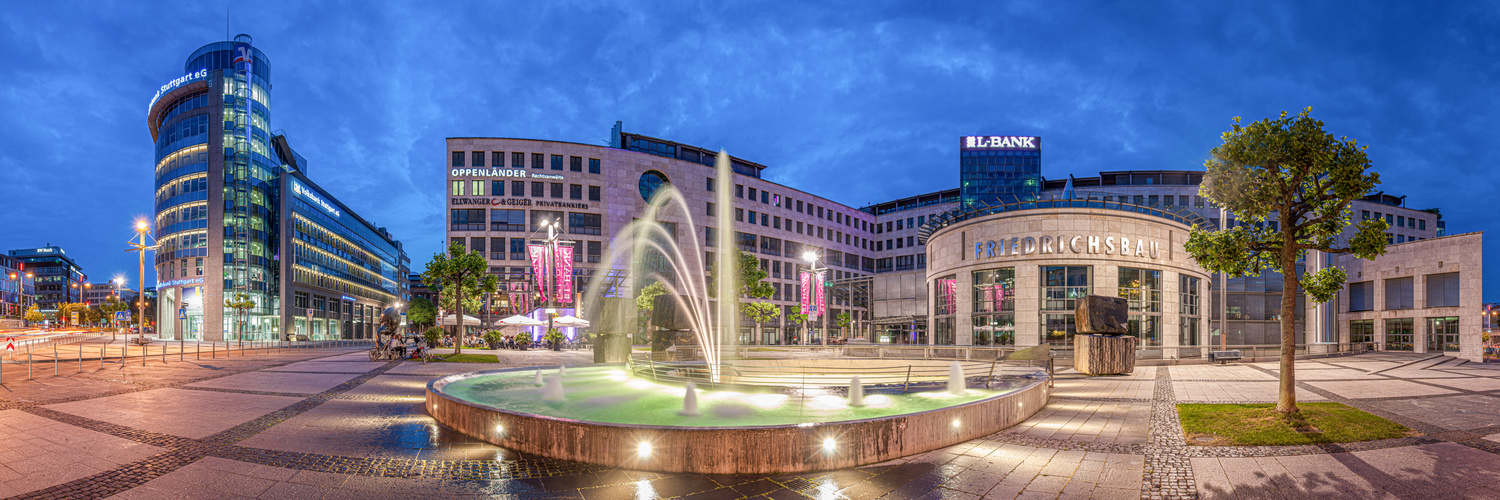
(1262, 425)
(469, 358)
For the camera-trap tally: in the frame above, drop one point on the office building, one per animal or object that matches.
(56, 278)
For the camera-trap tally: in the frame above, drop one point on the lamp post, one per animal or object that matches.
(812, 263)
(142, 230)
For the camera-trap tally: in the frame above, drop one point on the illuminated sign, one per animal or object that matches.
(501, 172)
(181, 281)
(314, 198)
(1001, 142)
(515, 202)
(348, 298)
(178, 82)
(1122, 246)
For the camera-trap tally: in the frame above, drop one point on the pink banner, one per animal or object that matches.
(564, 264)
(818, 286)
(539, 267)
(806, 281)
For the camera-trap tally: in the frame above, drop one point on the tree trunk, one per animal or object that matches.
(458, 303)
(1286, 396)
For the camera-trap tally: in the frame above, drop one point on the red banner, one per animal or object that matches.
(818, 286)
(564, 265)
(539, 267)
(806, 281)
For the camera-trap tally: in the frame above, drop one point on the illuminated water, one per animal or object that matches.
(609, 394)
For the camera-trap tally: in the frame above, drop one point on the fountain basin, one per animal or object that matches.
(719, 442)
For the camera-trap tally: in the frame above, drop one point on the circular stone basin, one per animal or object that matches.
(612, 418)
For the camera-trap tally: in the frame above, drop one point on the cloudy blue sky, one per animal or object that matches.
(858, 101)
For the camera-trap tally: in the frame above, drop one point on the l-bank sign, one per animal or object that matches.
(1001, 142)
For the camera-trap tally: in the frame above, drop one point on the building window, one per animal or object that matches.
(1442, 290)
(478, 157)
(1421, 224)
(575, 163)
(517, 249)
(507, 220)
(538, 160)
(538, 189)
(1189, 310)
(478, 188)
(593, 193)
(557, 190)
(710, 209)
(458, 158)
(1362, 330)
(1141, 288)
(518, 160)
(593, 165)
(1442, 334)
(739, 191)
(580, 223)
(476, 244)
(1398, 334)
(945, 304)
(497, 188)
(710, 185)
(650, 182)
(575, 191)
(540, 216)
(300, 300)
(752, 194)
(1062, 286)
(497, 247)
(467, 220)
(458, 188)
(1362, 296)
(557, 162)
(497, 158)
(995, 306)
(1398, 293)
(739, 215)
(595, 252)
(745, 241)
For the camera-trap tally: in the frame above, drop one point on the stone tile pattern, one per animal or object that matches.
(1168, 472)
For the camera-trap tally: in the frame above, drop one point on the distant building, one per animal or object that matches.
(16, 291)
(57, 278)
(99, 293)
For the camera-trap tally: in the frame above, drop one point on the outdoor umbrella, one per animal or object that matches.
(570, 321)
(519, 320)
(451, 320)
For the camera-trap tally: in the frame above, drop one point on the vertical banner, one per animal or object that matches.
(819, 280)
(564, 265)
(539, 267)
(806, 281)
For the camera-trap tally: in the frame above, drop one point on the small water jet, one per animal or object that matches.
(856, 392)
(538, 381)
(562, 370)
(956, 383)
(553, 391)
(690, 401)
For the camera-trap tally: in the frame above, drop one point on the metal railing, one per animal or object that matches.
(46, 351)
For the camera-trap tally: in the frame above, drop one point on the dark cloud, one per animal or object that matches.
(858, 101)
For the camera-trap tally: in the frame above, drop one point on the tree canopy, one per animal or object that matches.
(462, 273)
(421, 312)
(1290, 185)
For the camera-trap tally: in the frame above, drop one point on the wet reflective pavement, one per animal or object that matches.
(327, 423)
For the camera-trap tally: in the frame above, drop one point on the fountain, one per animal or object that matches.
(690, 401)
(956, 383)
(856, 392)
(553, 391)
(562, 370)
(718, 416)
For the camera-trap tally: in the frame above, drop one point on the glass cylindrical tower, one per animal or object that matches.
(214, 195)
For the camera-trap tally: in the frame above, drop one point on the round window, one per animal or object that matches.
(651, 181)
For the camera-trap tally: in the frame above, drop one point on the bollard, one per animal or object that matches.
(101, 358)
(144, 353)
(199, 348)
(164, 353)
(28, 366)
(54, 359)
(80, 358)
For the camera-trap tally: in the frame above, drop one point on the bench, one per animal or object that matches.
(1223, 356)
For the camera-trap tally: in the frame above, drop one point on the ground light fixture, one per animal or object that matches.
(956, 424)
(643, 450)
(829, 444)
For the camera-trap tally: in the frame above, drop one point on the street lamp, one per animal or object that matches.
(142, 230)
(812, 267)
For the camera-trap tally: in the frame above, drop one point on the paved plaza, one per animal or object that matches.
(328, 423)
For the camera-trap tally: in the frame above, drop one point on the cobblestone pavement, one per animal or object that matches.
(328, 423)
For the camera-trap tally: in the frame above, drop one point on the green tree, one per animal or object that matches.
(1289, 172)
(241, 304)
(645, 302)
(421, 313)
(460, 272)
(752, 277)
(760, 312)
(800, 317)
(33, 314)
(843, 320)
